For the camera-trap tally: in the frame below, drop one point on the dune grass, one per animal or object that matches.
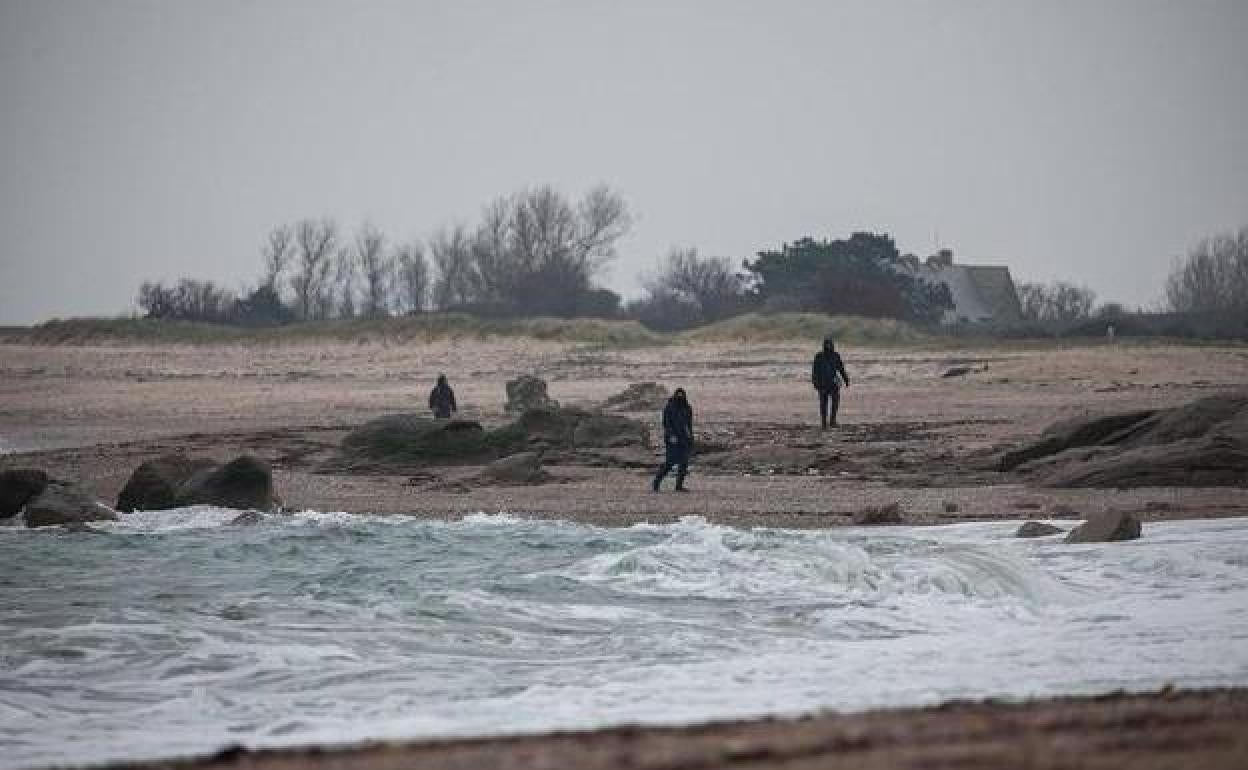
(752, 328)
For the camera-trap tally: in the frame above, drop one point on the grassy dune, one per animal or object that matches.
(746, 328)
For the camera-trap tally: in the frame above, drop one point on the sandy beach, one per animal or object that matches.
(907, 434)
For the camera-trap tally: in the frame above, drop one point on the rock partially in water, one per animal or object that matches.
(1106, 527)
(528, 392)
(521, 468)
(957, 371)
(1037, 529)
(154, 485)
(61, 504)
(244, 483)
(247, 519)
(19, 486)
(875, 515)
(639, 397)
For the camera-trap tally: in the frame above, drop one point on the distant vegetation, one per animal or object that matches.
(536, 254)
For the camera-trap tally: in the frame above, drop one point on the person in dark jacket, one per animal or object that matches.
(826, 374)
(677, 439)
(442, 399)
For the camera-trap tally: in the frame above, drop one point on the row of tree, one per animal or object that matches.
(536, 252)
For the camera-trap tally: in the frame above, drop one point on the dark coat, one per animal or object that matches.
(442, 400)
(678, 423)
(826, 369)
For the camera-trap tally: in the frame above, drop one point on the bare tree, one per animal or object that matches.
(411, 278)
(375, 270)
(341, 293)
(1060, 301)
(708, 283)
(1213, 278)
(452, 254)
(537, 252)
(276, 252)
(315, 242)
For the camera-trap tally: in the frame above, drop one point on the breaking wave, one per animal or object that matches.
(177, 632)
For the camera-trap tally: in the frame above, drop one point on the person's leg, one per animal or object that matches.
(834, 397)
(682, 470)
(658, 477)
(823, 408)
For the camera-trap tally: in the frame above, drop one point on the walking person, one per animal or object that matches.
(826, 374)
(677, 440)
(442, 399)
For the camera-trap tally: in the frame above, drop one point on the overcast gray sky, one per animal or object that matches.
(1089, 141)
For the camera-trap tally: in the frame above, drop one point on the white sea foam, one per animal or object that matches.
(327, 627)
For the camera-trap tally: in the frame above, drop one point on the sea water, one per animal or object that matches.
(175, 633)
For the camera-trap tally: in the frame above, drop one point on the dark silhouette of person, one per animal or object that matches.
(677, 439)
(826, 374)
(442, 399)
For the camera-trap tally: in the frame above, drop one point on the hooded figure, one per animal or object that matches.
(677, 439)
(826, 374)
(442, 399)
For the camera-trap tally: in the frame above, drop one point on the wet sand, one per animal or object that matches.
(1160, 730)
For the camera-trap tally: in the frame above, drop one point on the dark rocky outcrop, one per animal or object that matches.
(608, 430)
(1037, 529)
(62, 504)
(245, 483)
(154, 485)
(247, 519)
(521, 468)
(19, 486)
(957, 371)
(639, 397)
(404, 441)
(419, 439)
(1105, 527)
(527, 392)
(879, 514)
(1203, 443)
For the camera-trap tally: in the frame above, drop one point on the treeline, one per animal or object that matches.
(538, 253)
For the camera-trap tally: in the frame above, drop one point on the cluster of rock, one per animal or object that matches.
(1203, 443)
(171, 481)
(412, 441)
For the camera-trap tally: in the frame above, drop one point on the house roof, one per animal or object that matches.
(980, 292)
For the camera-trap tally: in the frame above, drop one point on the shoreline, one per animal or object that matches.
(1164, 728)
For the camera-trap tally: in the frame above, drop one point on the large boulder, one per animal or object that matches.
(520, 468)
(527, 392)
(608, 430)
(639, 397)
(1105, 527)
(412, 438)
(568, 428)
(154, 485)
(19, 486)
(1202, 443)
(64, 504)
(245, 483)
